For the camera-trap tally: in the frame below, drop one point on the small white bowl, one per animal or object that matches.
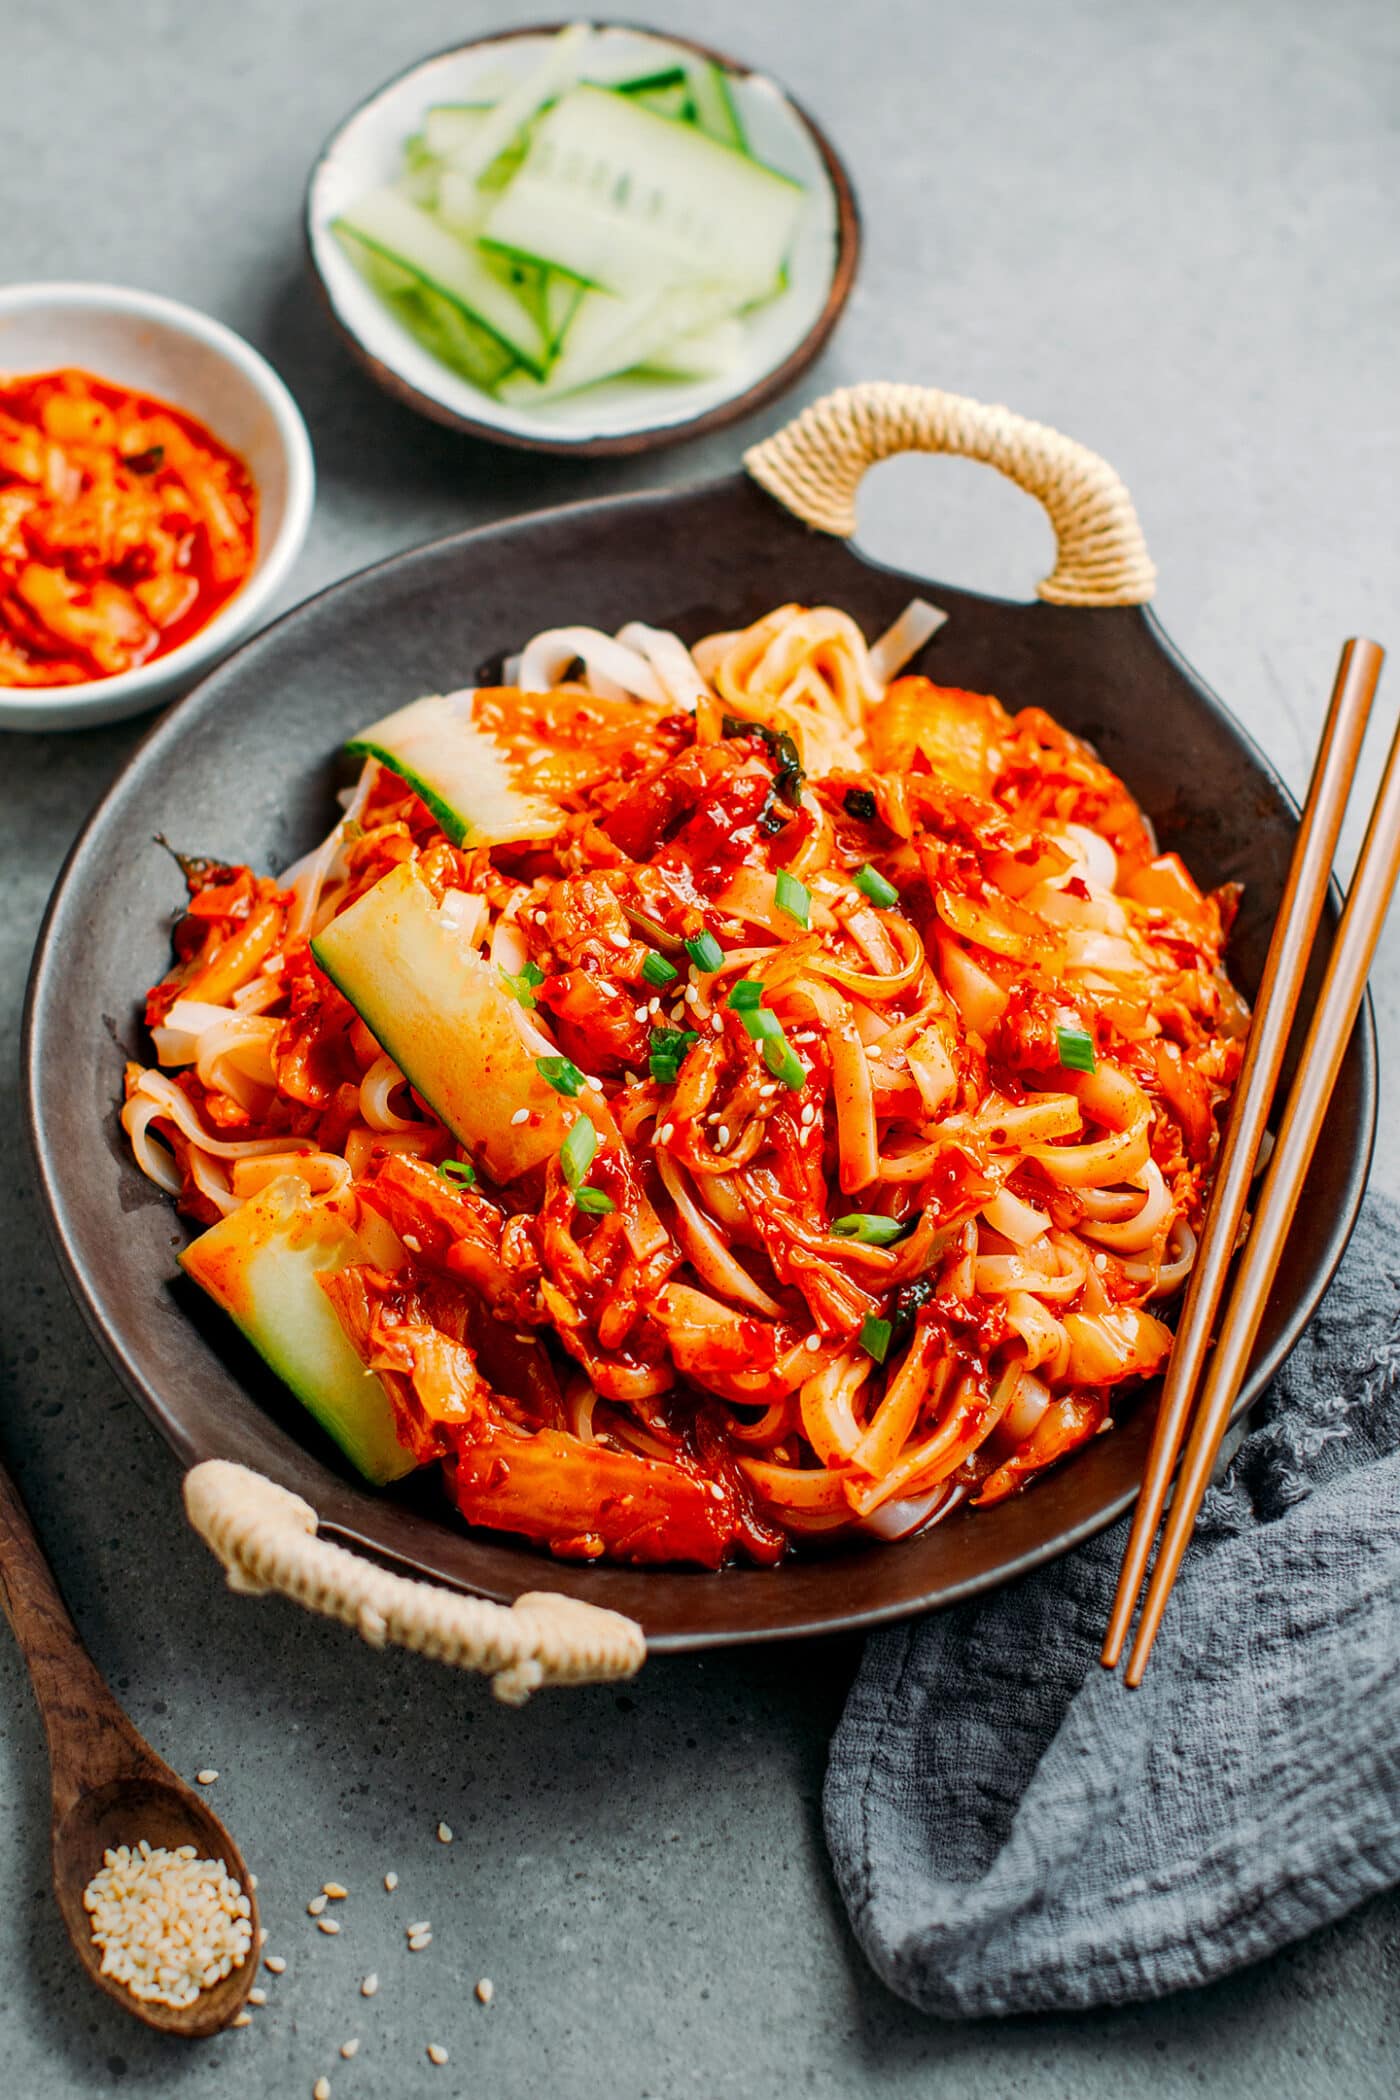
(156, 346)
(626, 415)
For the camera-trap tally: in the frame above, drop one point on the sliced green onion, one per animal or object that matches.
(561, 1073)
(794, 898)
(576, 1152)
(668, 1048)
(1076, 1049)
(748, 992)
(870, 1228)
(657, 971)
(875, 1337)
(783, 1061)
(705, 952)
(594, 1201)
(522, 985)
(762, 1023)
(459, 1170)
(876, 888)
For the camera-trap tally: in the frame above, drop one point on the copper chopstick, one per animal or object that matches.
(1295, 928)
(1338, 1003)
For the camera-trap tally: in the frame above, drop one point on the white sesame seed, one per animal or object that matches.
(522, 1115)
(619, 940)
(169, 1924)
(207, 1776)
(813, 1342)
(242, 2019)
(665, 1134)
(486, 1990)
(263, 1935)
(722, 1137)
(423, 1925)
(654, 1006)
(1101, 1262)
(321, 2090)
(444, 1831)
(370, 1985)
(329, 1924)
(808, 1116)
(419, 1942)
(350, 2048)
(257, 1996)
(275, 1963)
(391, 1882)
(336, 1890)
(315, 1906)
(436, 2053)
(639, 1013)
(252, 1878)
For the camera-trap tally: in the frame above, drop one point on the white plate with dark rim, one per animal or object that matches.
(619, 415)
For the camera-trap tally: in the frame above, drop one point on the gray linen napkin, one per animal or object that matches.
(1012, 1831)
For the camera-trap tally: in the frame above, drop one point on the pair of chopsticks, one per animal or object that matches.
(1338, 1002)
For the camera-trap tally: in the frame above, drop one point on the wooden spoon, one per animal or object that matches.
(109, 1787)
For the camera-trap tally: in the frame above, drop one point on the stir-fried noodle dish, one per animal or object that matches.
(707, 1100)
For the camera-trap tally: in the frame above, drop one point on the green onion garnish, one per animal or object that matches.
(594, 1200)
(762, 1023)
(876, 888)
(870, 1228)
(561, 1073)
(657, 971)
(459, 1170)
(705, 952)
(875, 1337)
(783, 1062)
(1076, 1049)
(668, 1048)
(576, 1152)
(794, 898)
(522, 985)
(747, 993)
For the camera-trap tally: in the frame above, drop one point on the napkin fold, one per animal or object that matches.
(1013, 1831)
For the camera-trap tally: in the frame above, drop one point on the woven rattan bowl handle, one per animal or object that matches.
(814, 466)
(266, 1539)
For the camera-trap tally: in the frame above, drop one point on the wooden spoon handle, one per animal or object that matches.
(90, 1738)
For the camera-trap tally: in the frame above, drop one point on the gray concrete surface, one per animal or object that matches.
(1170, 231)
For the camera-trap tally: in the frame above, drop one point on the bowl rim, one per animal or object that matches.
(655, 436)
(341, 1502)
(130, 691)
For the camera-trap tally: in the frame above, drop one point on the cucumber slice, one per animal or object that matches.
(458, 770)
(651, 83)
(444, 328)
(448, 1022)
(706, 353)
(631, 201)
(610, 335)
(387, 222)
(261, 1264)
(558, 69)
(716, 112)
(674, 101)
(450, 126)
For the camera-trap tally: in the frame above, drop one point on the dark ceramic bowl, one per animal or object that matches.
(243, 769)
